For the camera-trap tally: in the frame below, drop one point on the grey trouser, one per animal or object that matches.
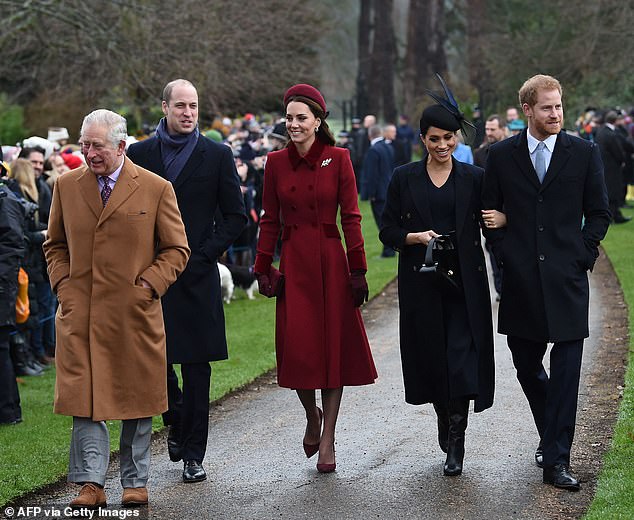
(90, 451)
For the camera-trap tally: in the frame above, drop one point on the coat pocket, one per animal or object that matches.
(331, 231)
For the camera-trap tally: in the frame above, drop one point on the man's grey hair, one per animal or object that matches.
(117, 125)
(374, 131)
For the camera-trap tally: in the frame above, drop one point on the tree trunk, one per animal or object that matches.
(479, 75)
(424, 55)
(363, 73)
(387, 55)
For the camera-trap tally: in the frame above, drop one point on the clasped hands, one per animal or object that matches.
(270, 284)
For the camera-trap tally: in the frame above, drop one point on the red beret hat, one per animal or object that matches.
(307, 91)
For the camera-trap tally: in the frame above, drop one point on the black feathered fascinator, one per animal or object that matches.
(450, 104)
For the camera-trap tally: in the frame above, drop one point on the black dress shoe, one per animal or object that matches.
(620, 219)
(539, 456)
(193, 471)
(560, 477)
(174, 444)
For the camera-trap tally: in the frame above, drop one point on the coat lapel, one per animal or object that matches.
(418, 187)
(125, 186)
(153, 158)
(558, 160)
(192, 164)
(464, 189)
(522, 158)
(89, 187)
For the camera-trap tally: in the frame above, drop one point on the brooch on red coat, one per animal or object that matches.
(325, 162)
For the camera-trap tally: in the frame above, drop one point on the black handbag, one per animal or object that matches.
(441, 258)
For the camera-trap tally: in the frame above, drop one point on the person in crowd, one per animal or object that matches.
(516, 127)
(207, 188)
(398, 147)
(627, 143)
(35, 156)
(43, 331)
(320, 338)
(446, 335)
(361, 145)
(378, 166)
(109, 368)
(31, 354)
(278, 137)
(512, 114)
(11, 252)
(552, 189)
(355, 137)
(495, 131)
(57, 167)
(479, 124)
(613, 155)
(406, 135)
(110, 357)
(462, 152)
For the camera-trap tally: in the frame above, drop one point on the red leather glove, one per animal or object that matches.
(271, 284)
(359, 288)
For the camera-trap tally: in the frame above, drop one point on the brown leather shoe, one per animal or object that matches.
(133, 497)
(90, 496)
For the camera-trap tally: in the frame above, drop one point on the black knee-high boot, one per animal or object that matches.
(458, 411)
(442, 412)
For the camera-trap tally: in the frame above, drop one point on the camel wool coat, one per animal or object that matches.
(110, 356)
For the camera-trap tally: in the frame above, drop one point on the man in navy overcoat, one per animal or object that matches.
(210, 201)
(554, 226)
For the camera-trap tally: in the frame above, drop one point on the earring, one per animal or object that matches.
(316, 129)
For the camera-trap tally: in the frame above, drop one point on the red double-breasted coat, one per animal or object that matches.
(320, 338)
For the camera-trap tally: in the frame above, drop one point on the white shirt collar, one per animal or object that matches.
(115, 174)
(549, 142)
(375, 140)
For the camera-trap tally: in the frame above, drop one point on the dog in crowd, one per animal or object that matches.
(232, 276)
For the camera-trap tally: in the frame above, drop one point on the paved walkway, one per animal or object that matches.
(388, 461)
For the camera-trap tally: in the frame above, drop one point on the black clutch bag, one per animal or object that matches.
(441, 259)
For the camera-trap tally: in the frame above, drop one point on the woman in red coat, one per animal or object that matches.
(320, 339)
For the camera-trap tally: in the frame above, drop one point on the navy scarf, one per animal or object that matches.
(175, 149)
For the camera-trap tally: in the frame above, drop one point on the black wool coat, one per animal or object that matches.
(552, 235)
(212, 209)
(422, 333)
(613, 157)
(12, 247)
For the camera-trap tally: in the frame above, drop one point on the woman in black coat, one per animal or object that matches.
(446, 334)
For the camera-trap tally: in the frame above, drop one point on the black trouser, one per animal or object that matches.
(189, 409)
(10, 410)
(553, 400)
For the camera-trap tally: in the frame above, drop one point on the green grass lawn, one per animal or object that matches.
(35, 452)
(614, 497)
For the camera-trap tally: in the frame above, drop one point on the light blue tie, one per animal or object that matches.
(540, 161)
